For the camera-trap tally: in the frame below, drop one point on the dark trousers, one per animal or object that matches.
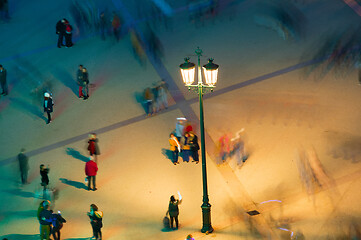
(172, 220)
(175, 156)
(60, 39)
(56, 233)
(24, 177)
(97, 230)
(91, 179)
(4, 88)
(68, 41)
(195, 155)
(49, 116)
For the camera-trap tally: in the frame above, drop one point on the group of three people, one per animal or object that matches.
(187, 145)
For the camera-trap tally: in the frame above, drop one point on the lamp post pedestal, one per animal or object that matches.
(206, 212)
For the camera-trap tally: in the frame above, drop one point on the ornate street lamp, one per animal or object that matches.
(211, 74)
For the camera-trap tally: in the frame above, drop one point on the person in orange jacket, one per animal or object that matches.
(175, 147)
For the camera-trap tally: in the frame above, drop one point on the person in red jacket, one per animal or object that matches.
(91, 170)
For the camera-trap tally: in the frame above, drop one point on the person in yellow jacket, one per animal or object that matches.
(175, 147)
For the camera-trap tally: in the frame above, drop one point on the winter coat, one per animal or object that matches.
(57, 221)
(193, 141)
(79, 77)
(96, 219)
(49, 106)
(60, 27)
(93, 147)
(186, 143)
(91, 168)
(23, 162)
(68, 28)
(47, 215)
(3, 76)
(85, 78)
(174, 144)
(44, 176)
(173, 208)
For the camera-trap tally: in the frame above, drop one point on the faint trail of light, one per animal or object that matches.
(354, 5)
(287, 230)
(270, 201)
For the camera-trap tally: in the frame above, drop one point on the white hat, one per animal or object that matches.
(181, 119)
(46, 94)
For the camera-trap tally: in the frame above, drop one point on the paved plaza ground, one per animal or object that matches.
(265, 86)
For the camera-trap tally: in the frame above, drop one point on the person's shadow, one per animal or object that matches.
(168, 154)
(21, 236)
(20, 193)
(30, 109)
(75, 184)
(76, 154)
(67, 79)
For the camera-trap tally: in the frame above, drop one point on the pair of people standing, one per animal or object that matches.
(82, 78)
(50, 223)
(64, 30)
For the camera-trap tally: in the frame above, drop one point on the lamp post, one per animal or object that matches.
(210, 74)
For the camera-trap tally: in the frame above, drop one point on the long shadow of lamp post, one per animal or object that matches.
(210, 73)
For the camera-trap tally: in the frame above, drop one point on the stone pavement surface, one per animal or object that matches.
(262, 88)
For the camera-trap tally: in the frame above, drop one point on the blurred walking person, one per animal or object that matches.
(102, 25)
(194, 147)
(175, 147)
(173, 210)
(179, 127)
(3, 82)
(79, 80)
(162, 96)
(24, 166)
(85, 87)
(96, 221)
(91, 169)
(116, 26)
(68, 34)
(60, 30)
(44, 171)
(48, 105)
(93, 147)
(148, 98)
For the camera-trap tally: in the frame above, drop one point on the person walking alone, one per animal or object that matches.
(194, 147)
(91, 169)
(24, 166)
(3, 82)
(93, 147)
(85, 84)
(173, 210)
(48, 105)
(44, 171)
(96, 221)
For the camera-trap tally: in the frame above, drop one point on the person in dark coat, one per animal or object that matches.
(48, 105)
(173, 210)
(96, 221)
(85, 83)
(44, 176)
(56, 221)
(91, 169)
(93, 147)
(60, 30)
(79, 80)
(3, 81)
(68, 34)
(44, 216)
(24, 166)
(194, 147)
